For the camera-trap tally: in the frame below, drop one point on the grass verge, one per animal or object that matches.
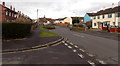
(42, 28)
(48, 34)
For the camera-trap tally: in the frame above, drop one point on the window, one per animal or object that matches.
(109, 15)
(94, 24)
(103, 16)
(98, 17)
(6, 13)
(118, 14)
(94, 17)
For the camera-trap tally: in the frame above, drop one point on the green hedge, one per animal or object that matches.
(49, 27)
(78, 28)
(15, 30)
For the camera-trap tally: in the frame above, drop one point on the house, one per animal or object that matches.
(63, 21)
(88, 19)
(77, 20)
(10, 15)
(105, 17)
(7, 14)
(45, 20)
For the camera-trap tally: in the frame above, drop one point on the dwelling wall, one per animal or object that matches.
(68, 20)
(118, 21)
(87, 18)
(106, 19)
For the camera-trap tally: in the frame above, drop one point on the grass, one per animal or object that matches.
(41, 28)
(48, 34)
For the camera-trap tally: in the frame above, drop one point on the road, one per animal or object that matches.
(106, 49)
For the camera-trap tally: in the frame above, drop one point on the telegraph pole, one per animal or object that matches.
(37, 15)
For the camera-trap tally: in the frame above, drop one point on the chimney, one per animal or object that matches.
(113, 5)
(14, 9)
(3, 3)
(11, 7)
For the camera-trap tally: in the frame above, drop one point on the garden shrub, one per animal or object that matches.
(15, 30)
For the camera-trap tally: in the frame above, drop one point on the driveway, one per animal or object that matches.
(104, 48)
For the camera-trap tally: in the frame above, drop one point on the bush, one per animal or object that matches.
(49, 27)
(15, 30)
(78, 28)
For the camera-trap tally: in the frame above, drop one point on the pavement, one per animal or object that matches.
(104, 48)
(71, 51)
(28, 42)
(64, 53)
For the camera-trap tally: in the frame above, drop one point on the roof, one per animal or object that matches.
(8, 9)
(77, 17)
(108, 11)
(91, 14)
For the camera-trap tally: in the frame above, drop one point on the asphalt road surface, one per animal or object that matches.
(104, 48)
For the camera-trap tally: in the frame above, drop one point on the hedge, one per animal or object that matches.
(77, 28)
(15, 30)
(49, 27)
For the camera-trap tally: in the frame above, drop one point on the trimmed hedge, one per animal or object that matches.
(78, 28)
(15, 30)
(49, 27)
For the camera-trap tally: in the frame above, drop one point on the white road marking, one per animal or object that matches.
(74, 50)
(91, 55)
(81, 55)
(63, 41)
(76, 46)
(100, 61)
(68, 41)
(71, 43)
(82, 50)
(92, 63)
(66, 44)
(69, 47)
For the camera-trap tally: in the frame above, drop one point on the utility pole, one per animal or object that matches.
(37, 16)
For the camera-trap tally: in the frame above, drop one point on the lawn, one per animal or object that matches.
(41, 28)
(48, 34)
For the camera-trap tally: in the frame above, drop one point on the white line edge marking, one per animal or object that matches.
(69, 47)
(81, 55)
(66, 44)
(92, 63)
(74, 50)
(82, 50)
(71, 43)
(100, 61)
(76, 46)
(91, 55)
(68, 41)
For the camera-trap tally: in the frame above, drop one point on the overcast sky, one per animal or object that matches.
(58, 8)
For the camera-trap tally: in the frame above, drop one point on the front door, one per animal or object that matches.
(99, 25)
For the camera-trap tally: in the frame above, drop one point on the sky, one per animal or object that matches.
(58, 8)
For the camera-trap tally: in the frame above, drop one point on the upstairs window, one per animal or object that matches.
(98, 17)
(109, 15)
(103, 16)
(94, 17)
(118, 14)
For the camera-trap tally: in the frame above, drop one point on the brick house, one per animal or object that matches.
(10, 15)
(7, 14)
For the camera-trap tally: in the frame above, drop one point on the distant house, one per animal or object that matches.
(109, 16)
(77, 20)
(45, 20)
(88, 19)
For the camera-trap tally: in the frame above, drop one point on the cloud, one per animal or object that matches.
(58, 8)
